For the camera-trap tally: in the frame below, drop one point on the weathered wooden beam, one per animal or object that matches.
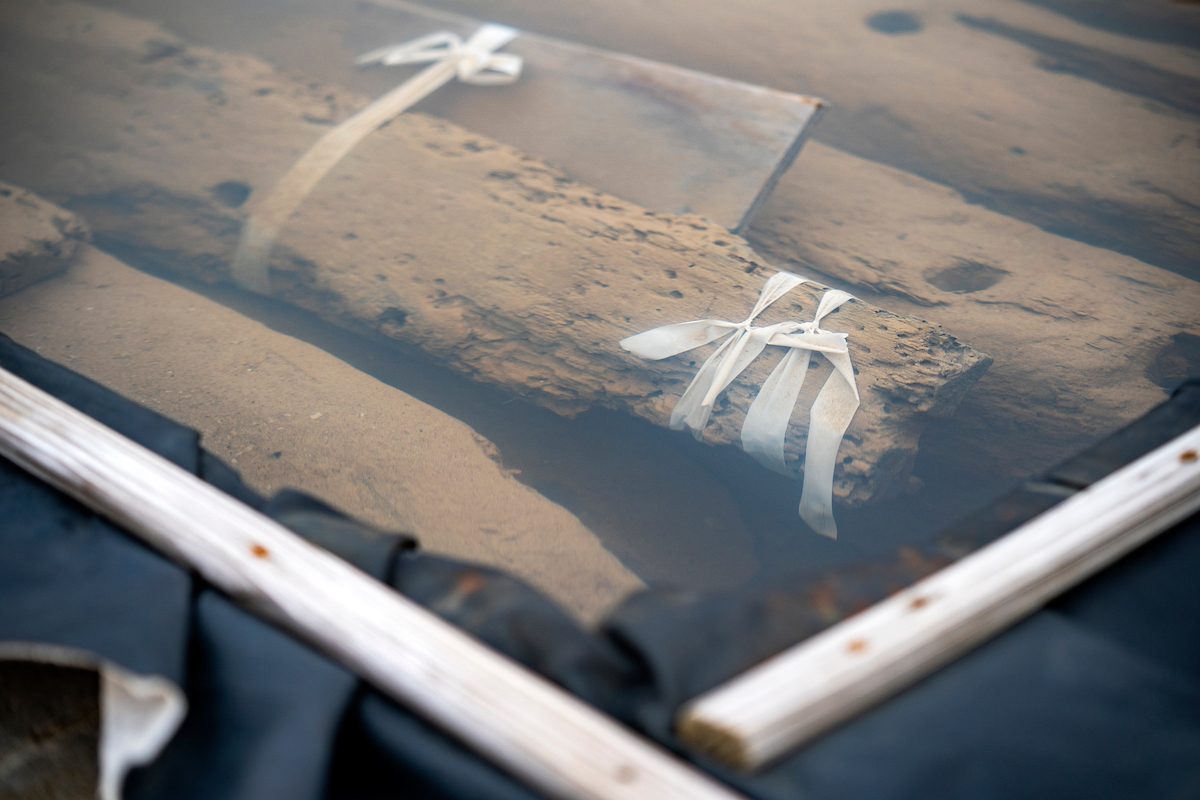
(1084, 334)
(517, 719)
(802, 692)
(37, 239)
(492, 261)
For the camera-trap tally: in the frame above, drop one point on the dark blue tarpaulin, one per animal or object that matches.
(1097, 696)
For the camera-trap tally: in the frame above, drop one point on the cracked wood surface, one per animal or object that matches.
(667, 138)
(490, 260)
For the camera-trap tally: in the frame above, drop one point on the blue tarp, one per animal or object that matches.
(1097, 696)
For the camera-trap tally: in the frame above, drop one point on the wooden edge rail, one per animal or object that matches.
(522, 722)
(793, 697)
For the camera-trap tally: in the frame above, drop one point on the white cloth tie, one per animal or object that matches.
(472, 61)
(765, 428)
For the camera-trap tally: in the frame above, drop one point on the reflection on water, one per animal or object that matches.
(679, 512)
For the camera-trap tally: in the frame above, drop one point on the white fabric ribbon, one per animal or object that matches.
(472, 61)
(765, 427)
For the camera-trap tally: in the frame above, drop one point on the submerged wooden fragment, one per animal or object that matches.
(37, 239)
(548, 738)
(497, 264)
(667, 138)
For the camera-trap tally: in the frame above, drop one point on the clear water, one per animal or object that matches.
(673, 510)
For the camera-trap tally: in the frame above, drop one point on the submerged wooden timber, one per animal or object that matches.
(1081, 131)
(667, 138)
(487, 259)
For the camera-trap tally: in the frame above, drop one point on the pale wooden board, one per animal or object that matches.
(800, 693)
(1083, 338)
(517, 719)
(667, 138)
(487, 259)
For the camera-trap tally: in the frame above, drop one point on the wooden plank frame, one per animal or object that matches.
(795, 696)
(517, 719)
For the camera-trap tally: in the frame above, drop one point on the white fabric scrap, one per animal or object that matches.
(138, 713)
(765, 428)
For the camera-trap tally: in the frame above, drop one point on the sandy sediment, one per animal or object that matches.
(1084, 338)
(286, 414)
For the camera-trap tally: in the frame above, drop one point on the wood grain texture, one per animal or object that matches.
(37, 238)
(511, 716)
(987, 161)
(495, 263)
(800, 693)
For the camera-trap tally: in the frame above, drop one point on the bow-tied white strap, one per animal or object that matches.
(765, 428)
(473, 61)
(743, 343)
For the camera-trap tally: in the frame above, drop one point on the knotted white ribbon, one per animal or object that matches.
(473, 61)
(765, 427)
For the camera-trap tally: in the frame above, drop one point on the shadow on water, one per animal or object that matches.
(676, 511)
